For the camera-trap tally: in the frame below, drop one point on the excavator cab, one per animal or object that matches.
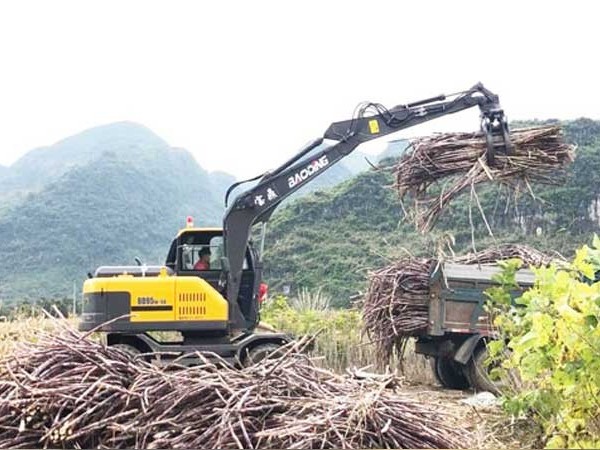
(185, 259)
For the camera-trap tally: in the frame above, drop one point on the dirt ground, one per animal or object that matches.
(489, 427)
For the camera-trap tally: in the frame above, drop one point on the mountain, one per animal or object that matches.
(220, 182)
(103, 196)
(44, 164)
(330, 239)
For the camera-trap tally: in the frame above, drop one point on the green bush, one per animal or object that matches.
(551, 347)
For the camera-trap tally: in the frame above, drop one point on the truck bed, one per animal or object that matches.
(457, 297)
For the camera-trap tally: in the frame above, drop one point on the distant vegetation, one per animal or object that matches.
(42, 307)
(97, 198)
(116, 192)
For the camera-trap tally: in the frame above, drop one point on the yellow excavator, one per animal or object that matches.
(210, 288)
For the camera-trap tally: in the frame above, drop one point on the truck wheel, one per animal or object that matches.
(478, 372)
(260, 352)
(449, 373)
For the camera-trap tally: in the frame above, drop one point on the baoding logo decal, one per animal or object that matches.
(312, 168)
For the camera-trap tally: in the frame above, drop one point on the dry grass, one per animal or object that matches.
(307, 300)
(25, 329)
(339, 355)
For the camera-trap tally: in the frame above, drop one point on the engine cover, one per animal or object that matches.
(131, 302)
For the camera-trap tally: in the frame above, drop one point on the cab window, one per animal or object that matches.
(204, 256)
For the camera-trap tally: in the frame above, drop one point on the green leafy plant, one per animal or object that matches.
(550, 339)
(337, 332)
(307, 300)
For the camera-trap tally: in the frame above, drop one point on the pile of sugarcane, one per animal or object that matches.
(66, 391)
(396, 305)
(540, 155)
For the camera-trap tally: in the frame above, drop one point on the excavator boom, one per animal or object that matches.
(372, 121)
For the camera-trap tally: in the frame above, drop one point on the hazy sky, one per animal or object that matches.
(244, 84)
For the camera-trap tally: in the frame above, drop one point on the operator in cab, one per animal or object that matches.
(203, 262)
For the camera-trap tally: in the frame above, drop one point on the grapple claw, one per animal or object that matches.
(495, 127)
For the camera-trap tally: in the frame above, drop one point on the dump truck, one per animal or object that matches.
(459, 327)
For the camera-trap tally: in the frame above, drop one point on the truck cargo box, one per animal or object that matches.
(457, 297)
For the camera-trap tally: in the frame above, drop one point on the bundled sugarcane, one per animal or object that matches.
(396, 305)
(540, 155)
(66, 391)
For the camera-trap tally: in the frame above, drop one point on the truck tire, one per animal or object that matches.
(449, 373)
(478, 373)
(260, 352)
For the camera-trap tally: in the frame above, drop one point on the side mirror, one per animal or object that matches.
(138, 261)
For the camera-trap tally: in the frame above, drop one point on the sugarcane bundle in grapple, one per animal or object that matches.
(455, 162)
(67, 391)
(440, 302)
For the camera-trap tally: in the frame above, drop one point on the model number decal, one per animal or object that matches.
(312, 168)
(151, 301)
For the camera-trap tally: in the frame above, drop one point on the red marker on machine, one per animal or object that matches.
(263, 291)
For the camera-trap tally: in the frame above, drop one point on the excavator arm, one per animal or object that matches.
(372, 121)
